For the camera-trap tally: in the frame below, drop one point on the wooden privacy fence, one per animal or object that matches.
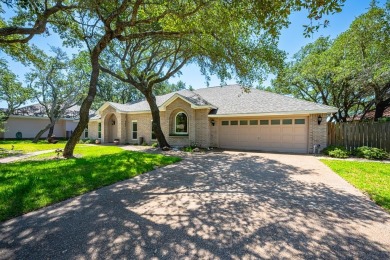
(353, 135)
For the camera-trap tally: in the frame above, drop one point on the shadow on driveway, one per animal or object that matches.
(219, 206)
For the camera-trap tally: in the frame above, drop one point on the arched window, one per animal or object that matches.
(181, 123)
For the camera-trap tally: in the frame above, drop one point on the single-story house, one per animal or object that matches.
(224, 117)
(27, 121)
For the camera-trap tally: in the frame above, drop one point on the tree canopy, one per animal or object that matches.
(11, 91)
(58, 84)
(231, 31)
(351, 72)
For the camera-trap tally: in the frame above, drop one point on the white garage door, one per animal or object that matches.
(268, 134)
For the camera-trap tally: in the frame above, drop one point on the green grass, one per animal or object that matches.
(372, 178)
(26, 146)
(29, 185)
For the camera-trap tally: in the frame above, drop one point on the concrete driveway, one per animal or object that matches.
(215, 206)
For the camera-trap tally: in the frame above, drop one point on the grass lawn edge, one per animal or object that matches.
(13, 197)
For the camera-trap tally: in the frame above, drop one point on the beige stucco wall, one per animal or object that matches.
(172, 109)
(202, 128)
(198, 125)
(214, 137)
(318, 134)
(144, 127)
(93, 130)
(201, 132)
(30, 126)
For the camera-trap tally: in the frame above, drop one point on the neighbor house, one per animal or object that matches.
(224, 117)
(369, 116)
(27, 121)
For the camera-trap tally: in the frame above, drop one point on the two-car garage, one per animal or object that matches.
(279, 134)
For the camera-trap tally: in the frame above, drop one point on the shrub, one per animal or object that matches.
(339, 153)
(154, 145)
(85, 141)
(336, 151)
(330, 148)
(371, 153)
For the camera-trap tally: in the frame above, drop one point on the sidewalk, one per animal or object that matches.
(22, 156)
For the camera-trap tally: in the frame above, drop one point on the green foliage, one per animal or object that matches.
(350, 72)
(372, 178)
(336, 151)
(190, 148)
(244, 47)
(85, 141)
(154, 145)
(371, 153)
(339, 153)
(384, 119)
(29, 185)
(11, 90)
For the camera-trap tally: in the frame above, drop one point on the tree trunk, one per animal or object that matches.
(156, 125)
(380, 109)
(40, 133)
(87, 102)
(51, 130)
(84, 109)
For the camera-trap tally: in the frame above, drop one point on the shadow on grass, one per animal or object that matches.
(214, 206)
(29, 185)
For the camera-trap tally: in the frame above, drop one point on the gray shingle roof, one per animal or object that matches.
(188, 95)
(232, 99)
(37, 110)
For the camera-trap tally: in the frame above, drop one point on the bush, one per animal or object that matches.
(85, 141)
(336, 151)
(371, 153)
(331, 148)
(154, 145)
(339, 153)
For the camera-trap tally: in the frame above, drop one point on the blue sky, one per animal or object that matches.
(291, 40)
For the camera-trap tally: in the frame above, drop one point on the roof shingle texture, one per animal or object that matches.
(232, 99)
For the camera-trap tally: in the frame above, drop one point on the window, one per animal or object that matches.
(243, 122)
(253, 122)
(225, 122)
(153, 134)
(299, 121)
(181, 123)
(275, 122)
(264, 122)
(86, 132)
(287, 121)
(235, 122)
(134, 130)
(100, 130)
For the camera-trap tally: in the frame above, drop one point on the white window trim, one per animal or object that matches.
(100, 130)
(86, 132)
(151, 133)
(132, 129)
(181, 133)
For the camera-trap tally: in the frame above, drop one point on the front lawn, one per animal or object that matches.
(29, 185)
(372, 178)
(26, 146)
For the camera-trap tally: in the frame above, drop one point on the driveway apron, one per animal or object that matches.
(226, 205)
